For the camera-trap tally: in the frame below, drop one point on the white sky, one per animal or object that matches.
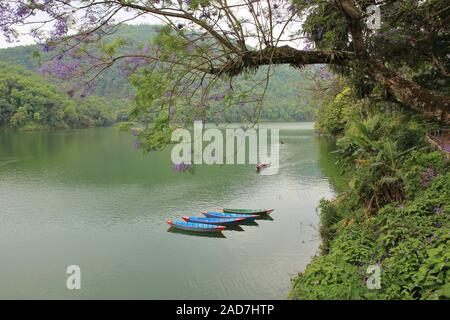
(24, 39)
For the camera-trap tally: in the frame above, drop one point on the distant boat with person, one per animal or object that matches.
(262, 166)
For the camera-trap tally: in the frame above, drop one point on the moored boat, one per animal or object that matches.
(214, 214)
(197, 227)
(218, 221)
(262, 166)
(247, 211)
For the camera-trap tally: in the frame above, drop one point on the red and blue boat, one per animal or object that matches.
(196, 227)
(218, 221)
(221, 215)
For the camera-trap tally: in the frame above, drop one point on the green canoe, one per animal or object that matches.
(247, 211)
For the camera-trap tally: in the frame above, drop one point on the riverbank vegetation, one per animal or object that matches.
(394, 214)
(29, 102)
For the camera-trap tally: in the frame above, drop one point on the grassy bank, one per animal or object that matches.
(394, 214)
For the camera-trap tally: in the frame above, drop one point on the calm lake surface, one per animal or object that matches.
(87, 197)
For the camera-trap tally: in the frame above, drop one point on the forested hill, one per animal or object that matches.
(29, 102)
(287, 97)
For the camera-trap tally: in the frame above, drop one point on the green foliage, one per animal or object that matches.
(28, 102)
(326, 26)
(373, 147)
(285, 99)
(394, 213)
(332, 117)
(410, 243)
(412, 31)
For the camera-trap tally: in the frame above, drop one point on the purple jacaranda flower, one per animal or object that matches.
(135, 131)
(324, 73)
(190, 48)
(130, 64)
(60, 27)
(437, 225)
(181, 166)
(22, 11)
(87, 90)
(216, 97)
(47, 47)
(427, 177)
(320, 32)
(59, 68)
(307, 45)
(137, 144)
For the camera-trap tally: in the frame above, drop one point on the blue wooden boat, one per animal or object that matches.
(214, 214)
(197, 227)
(218, 221)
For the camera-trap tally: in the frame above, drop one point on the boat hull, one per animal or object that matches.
(215, 221)
(213, 214)
(195, 227)
(247, 211)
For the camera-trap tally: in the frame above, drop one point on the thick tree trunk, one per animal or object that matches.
(434, 106)
(282, 55)
(424, 101)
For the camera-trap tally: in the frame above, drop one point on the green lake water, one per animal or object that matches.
(87, 197)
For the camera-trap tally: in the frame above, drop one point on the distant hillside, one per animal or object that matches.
(285, 99)
(29, 102)
(111, 84)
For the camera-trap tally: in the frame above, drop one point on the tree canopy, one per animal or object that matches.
(29, 102)
(206, 45)
(290, 94)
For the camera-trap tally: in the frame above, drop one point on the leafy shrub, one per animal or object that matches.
(394, 214)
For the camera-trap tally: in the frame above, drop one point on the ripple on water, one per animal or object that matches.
(105, 209)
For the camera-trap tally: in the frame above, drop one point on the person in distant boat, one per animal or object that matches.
(262, 166)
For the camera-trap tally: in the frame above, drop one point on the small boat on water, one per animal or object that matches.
(218, 221)
(197, 227)
(214, 214)
(262, 166)
(247, 211)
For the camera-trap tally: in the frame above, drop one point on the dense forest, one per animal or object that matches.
(29, 102)
(392, 212)
(288, 97)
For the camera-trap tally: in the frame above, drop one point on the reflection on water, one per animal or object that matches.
(86, 197)
(197, 234)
